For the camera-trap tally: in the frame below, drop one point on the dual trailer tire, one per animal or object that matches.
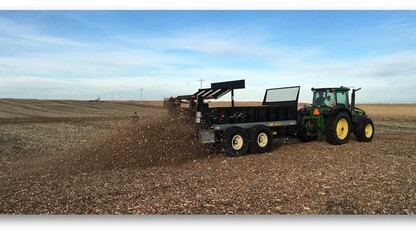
(237, 141)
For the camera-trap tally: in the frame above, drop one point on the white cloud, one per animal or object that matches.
(382, 79)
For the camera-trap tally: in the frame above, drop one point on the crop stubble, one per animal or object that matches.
(156, 167)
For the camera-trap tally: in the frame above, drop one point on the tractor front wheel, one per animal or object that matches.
(236, 141)
(337, 128)
(365, 130)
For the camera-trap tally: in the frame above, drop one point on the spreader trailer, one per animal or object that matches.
(242, 129)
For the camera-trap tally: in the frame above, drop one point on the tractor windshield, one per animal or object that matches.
(330, 98)
(324, 98)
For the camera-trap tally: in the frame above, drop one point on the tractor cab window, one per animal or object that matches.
(330, 99)
(324, 98)
(319, 98)
(342, 98)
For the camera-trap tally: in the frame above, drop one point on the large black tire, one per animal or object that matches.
(338, 128)
(261, 139)
(365, 130)
(236, 141)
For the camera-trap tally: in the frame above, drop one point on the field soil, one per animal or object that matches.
(74, 157)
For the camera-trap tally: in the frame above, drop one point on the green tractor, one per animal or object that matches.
(331, 115)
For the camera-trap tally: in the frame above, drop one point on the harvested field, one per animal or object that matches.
(399, 112)
(155, 166)
(26, 110)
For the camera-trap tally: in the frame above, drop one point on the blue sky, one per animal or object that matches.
(83, 54)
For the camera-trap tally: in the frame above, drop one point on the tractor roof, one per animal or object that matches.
(342, 88)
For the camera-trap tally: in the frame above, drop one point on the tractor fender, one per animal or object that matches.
(361, 118)
(356, 123)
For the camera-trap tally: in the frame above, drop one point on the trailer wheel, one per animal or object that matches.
(337, 128)
(261, 139)
(365, 131)
(236, 141)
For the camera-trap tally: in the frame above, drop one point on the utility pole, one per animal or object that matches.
(141, 96)
(111, 95)
(200, 80)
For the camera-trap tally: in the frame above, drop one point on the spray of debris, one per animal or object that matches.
(151, 142)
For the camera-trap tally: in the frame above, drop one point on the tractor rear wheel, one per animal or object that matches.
(337, 128)
(236, 141)
(261, 139)
(365, 131)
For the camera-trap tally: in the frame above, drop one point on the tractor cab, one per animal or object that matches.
(331, 97)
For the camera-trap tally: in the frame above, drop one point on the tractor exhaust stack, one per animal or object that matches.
(353, 98)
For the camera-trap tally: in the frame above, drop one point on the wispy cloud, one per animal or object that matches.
(393, 71)
(27, 34)
(212, 41)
